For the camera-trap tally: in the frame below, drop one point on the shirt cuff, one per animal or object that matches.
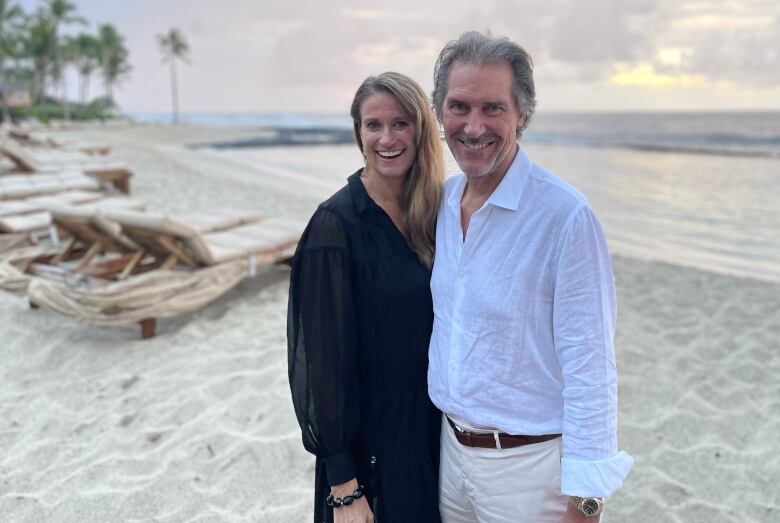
(340, 468)
(594, 478)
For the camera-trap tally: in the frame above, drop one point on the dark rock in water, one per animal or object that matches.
(286, 137)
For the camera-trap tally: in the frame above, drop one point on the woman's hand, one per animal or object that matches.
(357, 512)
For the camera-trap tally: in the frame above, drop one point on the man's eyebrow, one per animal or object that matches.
(499, 104)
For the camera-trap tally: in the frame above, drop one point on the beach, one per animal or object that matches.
(196, 424)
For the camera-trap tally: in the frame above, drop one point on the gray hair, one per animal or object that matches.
(477, 48)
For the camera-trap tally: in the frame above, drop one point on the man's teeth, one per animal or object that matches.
(476, 145)
(389, 154)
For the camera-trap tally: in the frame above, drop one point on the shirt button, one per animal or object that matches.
(460, 274)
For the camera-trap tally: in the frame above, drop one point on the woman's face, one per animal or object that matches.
(387, 135)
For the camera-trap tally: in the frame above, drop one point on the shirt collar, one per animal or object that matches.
(509, 190)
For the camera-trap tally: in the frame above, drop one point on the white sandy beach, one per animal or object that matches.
(196, 424)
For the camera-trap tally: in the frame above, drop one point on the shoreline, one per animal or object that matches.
(197, 424)
(286, 168)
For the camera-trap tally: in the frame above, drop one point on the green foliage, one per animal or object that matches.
(114, 64)
(173, 45)
(10, 14)
(98, 109)
(33, 54)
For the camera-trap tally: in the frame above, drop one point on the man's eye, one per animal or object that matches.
(458, 108)
(493, 110)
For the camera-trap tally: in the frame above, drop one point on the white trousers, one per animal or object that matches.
(518, 485)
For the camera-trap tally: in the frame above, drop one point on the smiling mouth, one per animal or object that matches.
(390, 154)
(476, 146)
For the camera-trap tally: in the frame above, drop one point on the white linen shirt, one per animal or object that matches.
(524, 322)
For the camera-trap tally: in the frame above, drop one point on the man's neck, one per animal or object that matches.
(479, 188)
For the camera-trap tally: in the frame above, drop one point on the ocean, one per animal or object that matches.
(696, 189)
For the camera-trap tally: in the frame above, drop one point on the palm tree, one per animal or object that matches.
(113, 58)
(62, 12)
(40, 47)
(174, 46)
(9, 14)
(86, 51)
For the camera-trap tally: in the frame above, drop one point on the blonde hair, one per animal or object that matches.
(423, 185)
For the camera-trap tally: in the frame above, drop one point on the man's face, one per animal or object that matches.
(481, 119)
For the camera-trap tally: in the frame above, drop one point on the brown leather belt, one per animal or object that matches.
(488, 441)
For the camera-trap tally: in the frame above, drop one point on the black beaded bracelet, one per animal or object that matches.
(335, 502)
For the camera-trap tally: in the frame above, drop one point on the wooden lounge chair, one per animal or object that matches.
(52, 161)
(41, 203)
(16, 186)
(185, 265)
(30, 138)
(33, 216)
(95, 245)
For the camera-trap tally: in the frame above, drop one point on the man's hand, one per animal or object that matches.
(357, 512)
(573, 515)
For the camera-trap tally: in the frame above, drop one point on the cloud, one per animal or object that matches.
(645, 75)
(283, 54)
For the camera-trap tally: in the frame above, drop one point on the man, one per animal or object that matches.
(524, 302)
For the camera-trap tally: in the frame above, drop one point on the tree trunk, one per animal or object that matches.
(5, 116)
(40, 74)
(65, 102)
(174, 92)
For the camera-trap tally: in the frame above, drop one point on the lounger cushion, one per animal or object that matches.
(20, 186)
(264, 237)
(25, 222)
(242, 245)
(11, 207)
(68, 197)
(220, 253)
(276, 231)
(216, 219)
(115, 202)
(184, 225)
(154, 222)
(40, 203)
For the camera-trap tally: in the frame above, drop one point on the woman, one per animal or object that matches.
(360, 318)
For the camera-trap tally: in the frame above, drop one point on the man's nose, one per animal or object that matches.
(475, 124)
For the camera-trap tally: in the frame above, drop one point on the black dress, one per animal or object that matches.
(359, 322)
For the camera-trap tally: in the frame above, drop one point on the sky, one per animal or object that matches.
(309, 56)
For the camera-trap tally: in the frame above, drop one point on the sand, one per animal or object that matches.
(196, 425)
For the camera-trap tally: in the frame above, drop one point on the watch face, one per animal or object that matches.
(590, 506)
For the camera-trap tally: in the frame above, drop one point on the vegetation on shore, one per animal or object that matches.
(34, 57)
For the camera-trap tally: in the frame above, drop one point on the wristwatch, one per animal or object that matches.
(590, 507)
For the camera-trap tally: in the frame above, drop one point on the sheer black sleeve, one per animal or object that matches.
(321, 339)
